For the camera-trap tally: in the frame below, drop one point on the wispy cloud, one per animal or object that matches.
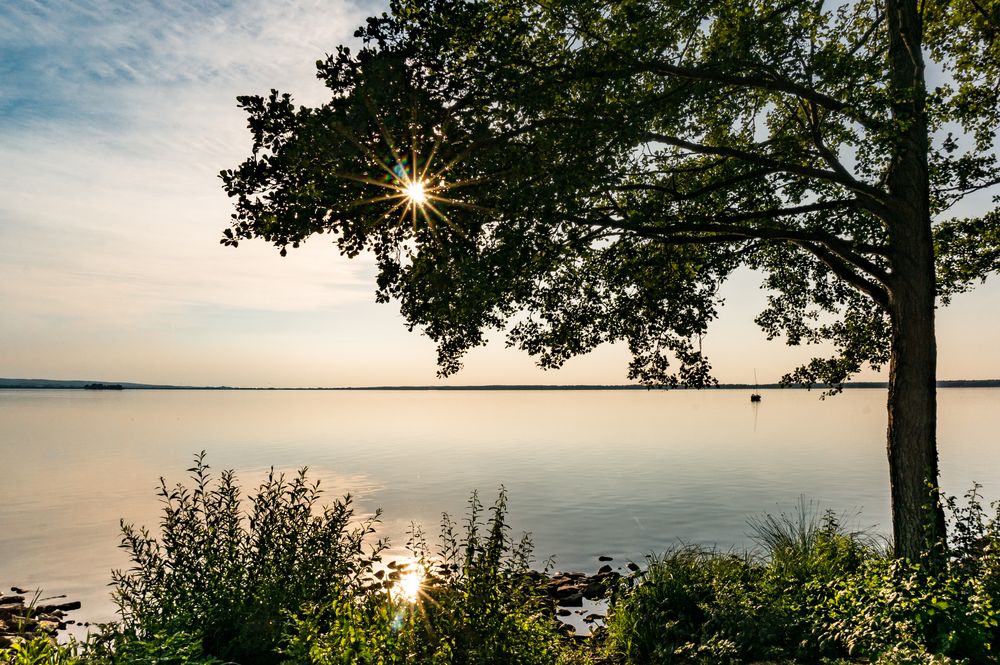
(116, 118)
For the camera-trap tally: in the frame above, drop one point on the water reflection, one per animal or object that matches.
(589, 473)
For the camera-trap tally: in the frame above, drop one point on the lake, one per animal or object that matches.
(589, 473)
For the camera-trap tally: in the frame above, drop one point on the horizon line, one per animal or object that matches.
(72, 384)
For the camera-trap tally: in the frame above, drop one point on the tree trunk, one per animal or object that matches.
(917, 516)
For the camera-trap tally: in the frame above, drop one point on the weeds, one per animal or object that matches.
(816, 593)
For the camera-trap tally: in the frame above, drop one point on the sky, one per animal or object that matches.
(115, 120)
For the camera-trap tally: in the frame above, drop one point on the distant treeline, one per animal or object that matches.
(55, 384)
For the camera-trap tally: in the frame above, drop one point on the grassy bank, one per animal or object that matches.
(275, 578)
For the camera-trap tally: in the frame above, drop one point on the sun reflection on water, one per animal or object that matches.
(409, 584)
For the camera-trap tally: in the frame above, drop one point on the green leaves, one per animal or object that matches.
(224, 582)
(670, 140)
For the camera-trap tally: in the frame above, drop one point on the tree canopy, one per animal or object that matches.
(594, 171)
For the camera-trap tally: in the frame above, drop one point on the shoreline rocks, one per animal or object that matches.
(569, 589)
(579, 600)
(23, 620)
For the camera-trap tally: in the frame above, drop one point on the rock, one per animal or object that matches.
(633, 566)
(563, 612)
(605, 557)
(595, 590)
(565, 591)
(6, 600)
(604, 570)
(18, 590)
(592, 617)
(57, 621)
(574, 600)
(567, 629)
(24, 623)
(10, 609)
(59, 607)
(20, 638)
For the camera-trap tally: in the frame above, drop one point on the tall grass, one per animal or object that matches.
(808, 544)
(816, 592)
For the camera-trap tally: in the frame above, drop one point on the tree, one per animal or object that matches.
(575, 172)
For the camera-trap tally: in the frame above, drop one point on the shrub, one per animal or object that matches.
(691, 604)
(698, 605)
(890, 608)
(231, 581)
(807, 545)
(479, 604)
(41, 651)
(805, 552)
(114, 647)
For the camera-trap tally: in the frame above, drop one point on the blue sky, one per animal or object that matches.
(115, 119)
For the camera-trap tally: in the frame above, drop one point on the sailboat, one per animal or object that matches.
(755, 395)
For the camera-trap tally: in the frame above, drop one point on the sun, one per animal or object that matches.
(416, 192)
(408, 586)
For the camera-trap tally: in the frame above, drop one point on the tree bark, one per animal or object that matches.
(917, 515)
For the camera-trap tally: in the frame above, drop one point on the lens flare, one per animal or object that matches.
(416, 193)
(408, 586)
(416, 190)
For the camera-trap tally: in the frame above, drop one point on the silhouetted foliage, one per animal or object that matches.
(612, 163)
(232, 580)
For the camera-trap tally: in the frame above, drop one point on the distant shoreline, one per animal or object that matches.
(55, 384)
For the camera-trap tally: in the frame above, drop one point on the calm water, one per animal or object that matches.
(622, 473)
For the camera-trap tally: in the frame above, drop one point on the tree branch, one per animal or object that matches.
(773, 84)
(776, 164)
(707, 229)
(877, 293)
(695, 193)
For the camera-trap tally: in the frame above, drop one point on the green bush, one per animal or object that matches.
(891, 607)
(287, 581)
(482, 603)
(230, 581)
(805, 553)
(115, 647)
(41, 651)
(817, 593)
(690, 604)
(809, 546)
(479, 603)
